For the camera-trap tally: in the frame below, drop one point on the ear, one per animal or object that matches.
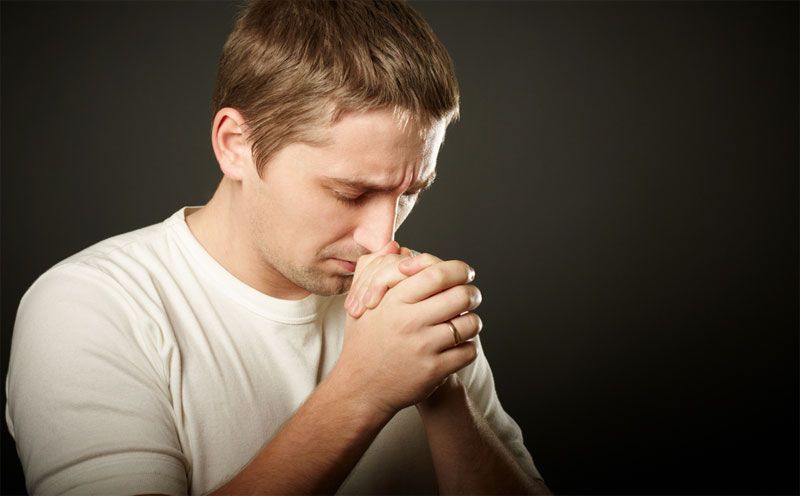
(230, 146)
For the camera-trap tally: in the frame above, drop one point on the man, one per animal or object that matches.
(215, 352)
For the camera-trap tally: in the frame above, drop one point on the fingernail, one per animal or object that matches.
(470, 274)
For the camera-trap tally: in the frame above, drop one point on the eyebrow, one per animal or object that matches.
(368, 186)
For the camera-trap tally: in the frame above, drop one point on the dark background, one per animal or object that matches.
(624, 178)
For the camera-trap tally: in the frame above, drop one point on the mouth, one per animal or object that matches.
(347, 265)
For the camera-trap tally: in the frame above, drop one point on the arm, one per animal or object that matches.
(316, 449)
(88, 402)
(390, 359)
(90, 407)
(467, 455)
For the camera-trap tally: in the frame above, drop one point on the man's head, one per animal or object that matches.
(292, 68)
(328, 119)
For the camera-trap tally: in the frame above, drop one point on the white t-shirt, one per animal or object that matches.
(140, 365)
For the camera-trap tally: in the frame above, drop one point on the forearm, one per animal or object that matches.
(315, 450)
(467, 455)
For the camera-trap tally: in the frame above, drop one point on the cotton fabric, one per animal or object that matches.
(140, 365)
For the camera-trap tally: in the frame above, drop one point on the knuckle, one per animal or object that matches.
(436, 275)
(376, 287)
(419, 345)
(430, 368)
(408, 327)
(404, 329)
(427, 259)
(391, 297)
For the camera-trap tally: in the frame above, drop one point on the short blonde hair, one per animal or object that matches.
(293, 67)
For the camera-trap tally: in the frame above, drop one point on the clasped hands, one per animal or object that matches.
(398, 346)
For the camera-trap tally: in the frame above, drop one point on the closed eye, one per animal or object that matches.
(348, 200)
(356, 200)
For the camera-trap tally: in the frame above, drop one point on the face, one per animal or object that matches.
(318, 208)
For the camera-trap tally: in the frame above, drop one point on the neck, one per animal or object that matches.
(223, 229)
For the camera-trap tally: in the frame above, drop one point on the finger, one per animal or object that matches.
(467, 326)
(364, 260)
(381, 271)
(357, 286)
(356, 303)
(417, 263)
(381, 275)
(448, 304)
(457, 357)
(385, 277)
(433, 279)
(393, 277)
(358, 291)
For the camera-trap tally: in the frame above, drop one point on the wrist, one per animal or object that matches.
(345, 392)
(449, 394)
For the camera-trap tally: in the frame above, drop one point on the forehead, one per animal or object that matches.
(379, 148)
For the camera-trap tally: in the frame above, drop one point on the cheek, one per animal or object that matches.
(330, 221)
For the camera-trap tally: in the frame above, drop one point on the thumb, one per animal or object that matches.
(412, 265)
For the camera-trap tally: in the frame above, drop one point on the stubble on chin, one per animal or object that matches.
(317, 281)
(312, 277)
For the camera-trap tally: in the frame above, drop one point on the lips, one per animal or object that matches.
(346, 264)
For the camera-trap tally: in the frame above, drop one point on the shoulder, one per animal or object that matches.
(95, 302)
(137, 248)
(113, 271)
(85, 360)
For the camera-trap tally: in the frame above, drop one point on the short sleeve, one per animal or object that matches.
(88, 404)
(478, 379)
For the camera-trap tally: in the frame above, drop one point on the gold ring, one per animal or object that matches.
(456, 335)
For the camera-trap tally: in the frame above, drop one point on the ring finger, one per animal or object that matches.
(467, 326)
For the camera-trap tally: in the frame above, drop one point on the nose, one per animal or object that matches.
(377, 225)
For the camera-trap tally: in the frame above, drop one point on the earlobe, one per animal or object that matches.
(229, 143)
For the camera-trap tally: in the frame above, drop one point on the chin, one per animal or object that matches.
(323, 284)
(336, 285)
